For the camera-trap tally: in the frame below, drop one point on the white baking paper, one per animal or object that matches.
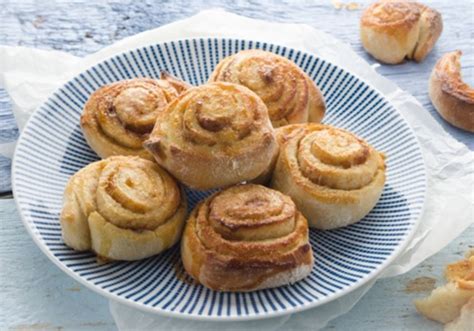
(30, 75)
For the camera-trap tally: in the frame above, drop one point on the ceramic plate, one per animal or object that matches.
(52, 148)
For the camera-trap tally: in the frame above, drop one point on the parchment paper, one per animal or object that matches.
(31, 75)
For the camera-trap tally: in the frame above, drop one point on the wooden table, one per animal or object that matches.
(34, 294)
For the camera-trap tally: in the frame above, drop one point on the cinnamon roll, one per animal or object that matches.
(393, 30)
(290, 95)
(245, 238)
(334, 177)
(214, 135)
(122, 208)
(118, 117)
(451, 96)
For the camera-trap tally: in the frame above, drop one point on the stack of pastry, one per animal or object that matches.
(219, 135)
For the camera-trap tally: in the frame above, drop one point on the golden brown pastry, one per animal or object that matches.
(290, 95)
(122, 208)
(334, 177)
(265, 177)
(245, 238)
(397, 29)
(179, 85)
(214, 135)
(445, 302)
(465, 320)
(118, 117)
(452, 98)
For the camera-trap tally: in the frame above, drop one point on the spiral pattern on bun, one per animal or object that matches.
(392, 30)
(290, 95)
(118, 117)
(245, 238)
(122, 208)
(334, 177)
(214, 135)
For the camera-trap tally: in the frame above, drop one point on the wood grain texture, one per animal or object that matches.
(34, 293)
(81, 27)
(55, 301)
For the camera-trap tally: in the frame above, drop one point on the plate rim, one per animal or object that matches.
(193, 316)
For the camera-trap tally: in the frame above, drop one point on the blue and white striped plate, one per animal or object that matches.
(52, 148)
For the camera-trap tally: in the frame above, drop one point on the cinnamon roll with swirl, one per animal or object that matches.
(392, 30)
(118, 117)
(245, 238)
(290, 95)
(122, 208)
(214, 135)
(334, 177)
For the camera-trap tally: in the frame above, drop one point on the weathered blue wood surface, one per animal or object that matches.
(82, 27)
(35, 294)
(52, 300)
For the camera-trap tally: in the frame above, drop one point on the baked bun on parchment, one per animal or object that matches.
(452, 98)
(122, 208)
(118, 117)
(393, 30)
(245, 238)
(290, 95)
(334, 177)
(214, 135)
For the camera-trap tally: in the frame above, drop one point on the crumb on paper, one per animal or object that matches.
(470, 252)
(74, 289)
(98, 323)
(36, 326)
(348, 6)
(352, 6)
(420, 284)
(38, 21)
(100, 260)
(337, 4)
